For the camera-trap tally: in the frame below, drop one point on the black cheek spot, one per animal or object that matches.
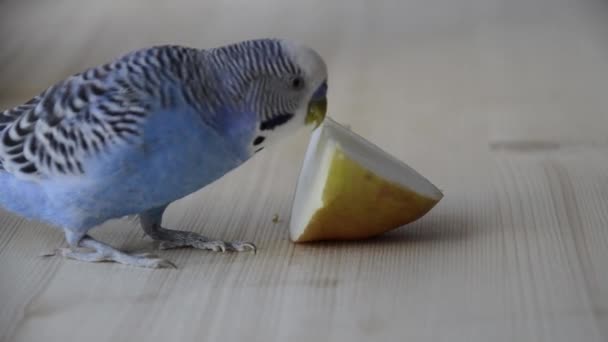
(260, 139)
(275, 121)
(259, 149)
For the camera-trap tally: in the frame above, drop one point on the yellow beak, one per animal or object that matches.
(316, 112)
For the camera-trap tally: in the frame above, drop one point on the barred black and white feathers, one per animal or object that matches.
(83, 115)
(106, 106)
(67, 122)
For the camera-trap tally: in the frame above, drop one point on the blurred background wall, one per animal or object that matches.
(519, 73)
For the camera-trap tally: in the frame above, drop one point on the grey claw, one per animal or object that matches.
(158, 263)
(166, 245)
(48, 254)
(167, 264)
(57, 251)
(201, 242)
(243, 246)
(146, 255)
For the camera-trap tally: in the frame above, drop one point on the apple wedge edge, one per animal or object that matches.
(350, 189)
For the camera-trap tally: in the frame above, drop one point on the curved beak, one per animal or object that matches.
(316, 112)
(317, 108)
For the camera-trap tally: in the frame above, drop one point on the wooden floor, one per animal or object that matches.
(501, 103)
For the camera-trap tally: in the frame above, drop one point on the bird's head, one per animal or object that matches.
(284, 83)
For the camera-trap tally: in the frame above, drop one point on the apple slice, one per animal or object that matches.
(350, 189)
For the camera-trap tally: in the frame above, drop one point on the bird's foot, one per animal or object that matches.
(105, 253)
(176, 239)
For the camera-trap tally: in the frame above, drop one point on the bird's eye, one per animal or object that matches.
(297, 83)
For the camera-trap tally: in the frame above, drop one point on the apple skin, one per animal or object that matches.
(358, 204)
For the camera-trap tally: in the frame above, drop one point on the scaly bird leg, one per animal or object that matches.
(151, 223)
(102, 252)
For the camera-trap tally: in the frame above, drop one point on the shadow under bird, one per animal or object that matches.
(131, 136)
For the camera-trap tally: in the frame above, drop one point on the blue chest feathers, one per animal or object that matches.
(179, 155)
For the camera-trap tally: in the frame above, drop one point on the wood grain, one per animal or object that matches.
(499, 103)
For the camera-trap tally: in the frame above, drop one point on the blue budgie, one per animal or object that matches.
(153, 126)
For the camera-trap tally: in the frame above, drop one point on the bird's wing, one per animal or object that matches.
(55, 132)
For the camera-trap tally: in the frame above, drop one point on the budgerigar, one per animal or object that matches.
(131, 136)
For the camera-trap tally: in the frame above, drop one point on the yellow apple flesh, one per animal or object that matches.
(350, 189)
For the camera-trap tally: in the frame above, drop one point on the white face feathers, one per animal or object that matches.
(296, 99)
